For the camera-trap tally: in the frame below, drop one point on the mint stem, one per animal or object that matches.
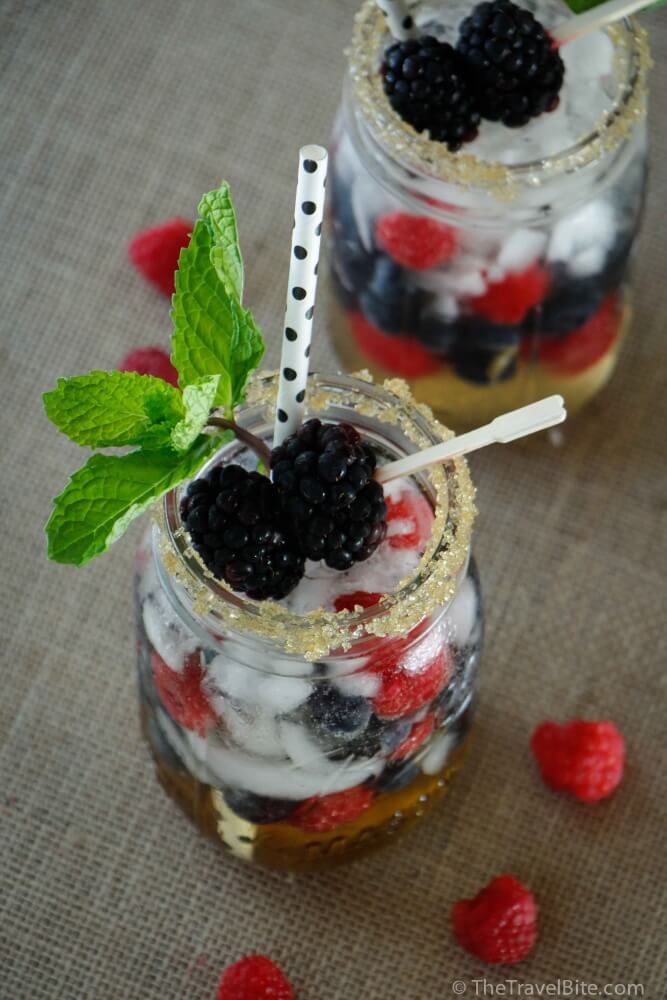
(254, 443)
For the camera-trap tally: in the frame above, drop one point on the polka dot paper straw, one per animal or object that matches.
(400, 20)
(301, 287)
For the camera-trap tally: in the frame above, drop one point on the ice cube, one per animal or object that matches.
(590, 57)
(303, 750)
(591, 227)
(256, 732)
(244, 684)
(166, 632)
(229, 677)
(435, 758)
(521, 248)
(362, 685)
(588, 262)
(283, 780)
(369, 201)
(177, 739)
(461, 614)
(280, 695)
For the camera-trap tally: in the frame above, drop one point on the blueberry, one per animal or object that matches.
(389, 301)
(258, 808)
(437, 333)
(397, 775)
(337, 714)
(477, 332)
(570, 304)
(483, 367)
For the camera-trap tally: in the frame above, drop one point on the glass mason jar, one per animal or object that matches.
(298, 740)
(494, 279)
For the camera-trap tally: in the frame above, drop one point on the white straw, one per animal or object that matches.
(400, 20)
(592, 20)
(301, 288)
(508, 427)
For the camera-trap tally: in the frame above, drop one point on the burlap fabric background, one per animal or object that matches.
(116, 115)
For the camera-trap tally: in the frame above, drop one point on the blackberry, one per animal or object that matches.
(233, 517)
(518, 73)
(333, 507)
(426, 83)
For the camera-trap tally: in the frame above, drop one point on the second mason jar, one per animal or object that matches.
(299, 738)
(496, 275)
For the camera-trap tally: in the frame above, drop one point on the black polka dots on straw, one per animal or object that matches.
(302, 284)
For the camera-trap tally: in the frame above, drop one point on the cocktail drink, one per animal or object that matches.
(304, 730)
(497, 273)
(308, 611)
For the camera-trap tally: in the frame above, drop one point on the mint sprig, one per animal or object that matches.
(213, 333)
(113, 409)
(216, 345)
(106, 495)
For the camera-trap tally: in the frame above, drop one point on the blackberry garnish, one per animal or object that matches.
(233, 517)
(426, 83)
(334, 509)
(517, 71)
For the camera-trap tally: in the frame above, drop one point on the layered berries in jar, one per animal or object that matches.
(497, 273)
(305, 730)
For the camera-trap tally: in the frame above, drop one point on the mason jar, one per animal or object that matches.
(496, 275)
(296, 740)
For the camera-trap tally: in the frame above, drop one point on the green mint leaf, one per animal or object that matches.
(217, 210)
(103, 497)
(198, 402)
(247, 350)
(213, 333)
(112, 409)
(204, 321)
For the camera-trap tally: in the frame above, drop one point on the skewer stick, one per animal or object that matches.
(594, 19)
(508, 427)
(400, 20)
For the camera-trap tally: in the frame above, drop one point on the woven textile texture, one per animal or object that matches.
(114, 116)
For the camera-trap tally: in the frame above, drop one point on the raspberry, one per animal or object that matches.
(516, 71)
(324, 477)
(150, 361)
(255, 977)
(415, 241)
(583, 758)
(584, 347)
(413, 679)
(320, 814)
(154, 252)
(427, 83)
(348, 602)
(509, 300)
(400, 355)
(233, 517)
(181, 693)
(418, 734)
(499, 924)
(409, 521)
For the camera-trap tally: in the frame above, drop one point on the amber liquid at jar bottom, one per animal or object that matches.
(281, 846)
(462, 404)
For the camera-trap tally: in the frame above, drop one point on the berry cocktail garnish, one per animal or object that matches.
(233, 517)
(428, 84)
(516, 69)
(324, 477)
